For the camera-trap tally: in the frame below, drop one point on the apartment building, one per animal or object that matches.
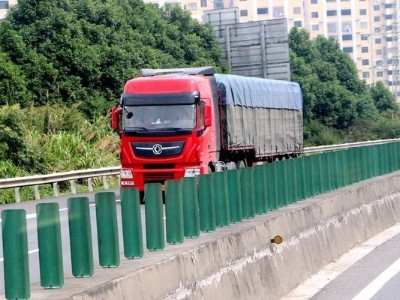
(5, 6)
(366, 29)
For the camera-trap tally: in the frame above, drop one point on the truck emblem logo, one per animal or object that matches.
(157, 149)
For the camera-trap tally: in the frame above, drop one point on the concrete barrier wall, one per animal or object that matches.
(240, 262)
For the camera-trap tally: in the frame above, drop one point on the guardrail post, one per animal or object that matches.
(131, 223)
(37, 192)
(80, 237)
(154, 216)
(174, 211)
(15, 253)
(105, 183)
(90, 184)
(191, 216)
(55, 189)
(206, 203)
(73, 186)
(107, 229)
(234, 196)
(50, 249)
(17, 195)
(222, 217)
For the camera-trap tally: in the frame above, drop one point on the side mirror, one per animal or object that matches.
(115, 112)
(207, 116)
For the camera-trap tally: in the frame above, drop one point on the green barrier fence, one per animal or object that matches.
(191, 215)
(15, 253)
(80, 237)
(50, 249)
(131, 223)
(107, 229)
(155, 237)
(174, 211)
(192, 205)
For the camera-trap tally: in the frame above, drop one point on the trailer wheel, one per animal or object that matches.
(240, 164)
(231, 165)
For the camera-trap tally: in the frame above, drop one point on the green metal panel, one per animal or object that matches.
(206, 203)
(50, 249)
(107, 229)
(300, 178)
(174, 211)
(260, 191)
(272, 185)
(234, 196)
(155, 237)
(248, 199)
(80, 236)
(222, 217)
(191, 216)
(131, 223)
(15, 253)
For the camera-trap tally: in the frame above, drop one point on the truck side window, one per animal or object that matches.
(201, 122)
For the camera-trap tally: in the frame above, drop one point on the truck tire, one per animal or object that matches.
(240, 164)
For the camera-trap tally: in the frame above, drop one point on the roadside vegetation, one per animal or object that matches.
(63, 65)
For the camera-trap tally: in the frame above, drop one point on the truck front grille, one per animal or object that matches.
(157, 177)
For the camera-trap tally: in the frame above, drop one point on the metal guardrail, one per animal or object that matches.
(72, 176)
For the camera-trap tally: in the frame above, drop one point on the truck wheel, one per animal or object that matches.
(231, 165)
(240, 164)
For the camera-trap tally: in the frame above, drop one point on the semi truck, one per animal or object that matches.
(184, 122)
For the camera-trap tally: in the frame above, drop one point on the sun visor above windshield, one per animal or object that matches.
(160, 99)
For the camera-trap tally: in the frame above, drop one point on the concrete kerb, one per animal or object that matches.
(239, 261)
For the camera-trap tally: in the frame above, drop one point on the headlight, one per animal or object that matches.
(192, 172)
(126, 174)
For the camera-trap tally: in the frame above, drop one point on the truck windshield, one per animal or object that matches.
(159, 117)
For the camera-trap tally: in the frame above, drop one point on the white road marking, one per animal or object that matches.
(318, 281)
(379, 282)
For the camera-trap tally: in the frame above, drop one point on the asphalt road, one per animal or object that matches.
(369, 271)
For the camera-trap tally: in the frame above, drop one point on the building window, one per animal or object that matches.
(262, 10)
(279, 11)
(378, 41)
(314, 1)
(332, 28)
(297, 23)
(379, 63)
(364, 37)
(377, 7)
(347, 37)
(365, 62)
(331, 13)
(378, 52)
(390, 72)
(364, 49)
(377, 19)
(389, 17)
(315, 27)
(244, 13)
(203, 3)
(330, 0)
(379, 74)
(192, 6)
(297, 10)
(365, 75)
(389, 39)
(347, 27)
(348, 49)
(314, 14)
(4, 5)
(346, 12)
(389, 5)
(218, 4)
(363, 12)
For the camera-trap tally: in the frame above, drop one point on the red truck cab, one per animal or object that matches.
(168, 125)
